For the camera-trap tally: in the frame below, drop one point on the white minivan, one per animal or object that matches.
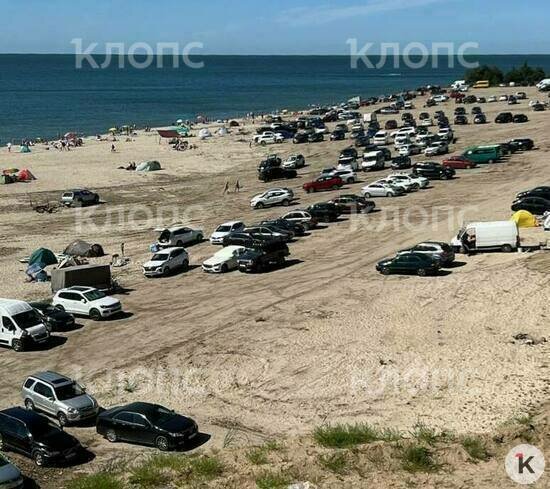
(20, 325)
(374, 160)
(494, 235)
(381, 138)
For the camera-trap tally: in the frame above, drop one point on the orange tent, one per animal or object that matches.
(25, 175)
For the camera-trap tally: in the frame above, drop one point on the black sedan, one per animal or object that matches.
(535, 205)
(315, 137)
(324, 211)
(337, 135)
(54, 319)
(543, 192)
(401, 163)
(409, 263)
(300, 137)
(520, 118)
(147, 424)
(353, 204)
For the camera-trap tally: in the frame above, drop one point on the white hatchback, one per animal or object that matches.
(224, 260)
(86, 301)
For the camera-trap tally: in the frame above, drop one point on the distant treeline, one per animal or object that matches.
(525, 75)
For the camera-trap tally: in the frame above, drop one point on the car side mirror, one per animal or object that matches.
(83, 300)
(51, 399)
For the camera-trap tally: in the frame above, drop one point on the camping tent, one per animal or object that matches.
(24, 149)
(149, 166)
(222, 131)
(25, 175)
(81, 248)
(524, 219)
(42, 256)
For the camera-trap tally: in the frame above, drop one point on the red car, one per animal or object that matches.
(324, 182)
(459, 162)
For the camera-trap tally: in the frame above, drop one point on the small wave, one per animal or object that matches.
(391, 74)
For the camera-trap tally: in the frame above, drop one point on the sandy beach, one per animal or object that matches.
(326, 338)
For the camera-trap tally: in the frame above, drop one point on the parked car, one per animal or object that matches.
(324, 212)
(164, 262)
(347, 175)
(408, 263)
(262, 260)
(492, 99)
(347, 156)
(295, 228)
(543, 192)
(419, 181)
(79, 198)
(272, 197)
(178, 236)
(276, 173)
(271, 161)
(337, 135)
(480, 119)
(59, 396)
(405, 184)
(53, 318)
(147, 424)
(224, 260)
(271, 232)
(300, 138)
(302, 218)
(36, 437)
(268, 137)
(523, 144)
(224, 229)
(458, 162)
(353, 204)
(10, 475)
(326, 182)
(461, 120)
(538, 107)
(535, 205)
(442, 252)
(22, 326)
(410, 150)
(381, 190)
(390, 125)
(401, 163)
(504, 118)
(446, 134)
(246, 240)
(362, 141)
(87, 301)
(460, 111)
(373, 160)
(520, 118)
(437, 148)
(433, 171)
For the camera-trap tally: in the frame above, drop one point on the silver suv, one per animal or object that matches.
(58, 396)
(79, 197)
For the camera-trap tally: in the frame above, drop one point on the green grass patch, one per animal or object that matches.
(417, 458)
(429, 436)
(339, 463)
(100, 480)
(145, 476)
(475, 447)
(272, 480)
(206, 467)
(350, 435)
(257, 456)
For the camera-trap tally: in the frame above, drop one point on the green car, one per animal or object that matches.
(409, 263)
(483, 154)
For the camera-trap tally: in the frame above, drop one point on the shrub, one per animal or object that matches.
(345, 436)
(475, 447)
(100, 480)
(416, 458)
(338, 463)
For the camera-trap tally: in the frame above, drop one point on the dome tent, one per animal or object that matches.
(42, 256)
(81, 248)
(524, 219)
(25, 175)
(149, 166)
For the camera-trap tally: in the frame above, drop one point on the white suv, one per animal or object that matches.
(86, 301)
(178, 236)
(224, 229)
(422, 182)
(166, 261)
(268, 138)
(271, 197)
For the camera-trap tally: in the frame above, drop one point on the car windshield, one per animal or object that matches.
(160, 257)
(223, 229)
(160, 415)
(40, 428)
(94, 295)
(27, 319)
(69, 391)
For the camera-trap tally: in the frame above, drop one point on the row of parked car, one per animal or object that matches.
(47, 395)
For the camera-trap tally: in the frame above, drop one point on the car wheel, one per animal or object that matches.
(38, 458)
(444, 177)
(62, 418)
(351, 180)
(111, 436)
(367, 195)
(165, 271)
(2, 447)
(225, 268)
(335, 187)
(310, 190)
(162, 443)
(29, 405)
(259, 205)
(385, 271)
(185, 265)
(95, 315)
(263, 143)
(491, 162)
(507, 248)
(179, 244)
(17, 345)
(421, 272)
(286, 202)
(60, 308)
(326, 219)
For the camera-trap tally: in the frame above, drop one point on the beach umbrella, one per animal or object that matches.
(113, 129)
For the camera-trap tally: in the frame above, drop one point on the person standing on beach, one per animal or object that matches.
(9, 147)
(226, 188)
(237, 187)
(113, 149)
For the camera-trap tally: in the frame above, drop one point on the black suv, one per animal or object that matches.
(433, 171)
(300, 137)
(504, 118)
(276, 173)
(294, 227)
(262, 259)
(272, 161)
(520, 118)
(35, 436)
(324, 212)
(247, 240)
(522, 144)
(401, 163)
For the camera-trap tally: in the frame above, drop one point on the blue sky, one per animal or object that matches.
(276, 27)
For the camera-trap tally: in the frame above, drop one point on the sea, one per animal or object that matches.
(48, 95)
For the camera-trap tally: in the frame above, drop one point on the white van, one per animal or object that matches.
(381, 138)
(543, 84)
(369, 117)
(20, 325)
(401, 140)
(494, 235)
(374, 160)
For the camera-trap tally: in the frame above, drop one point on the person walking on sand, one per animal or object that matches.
(9, 147)
(237, 187)
(113, 149)
(226, 188)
